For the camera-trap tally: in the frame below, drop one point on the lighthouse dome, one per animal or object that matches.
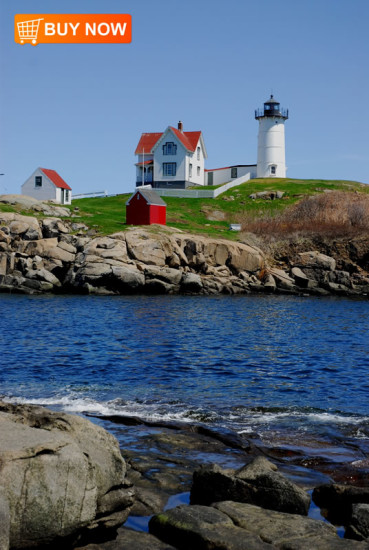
(272, 108)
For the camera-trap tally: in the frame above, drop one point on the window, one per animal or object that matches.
(169, 168)
(233, 172)
(273, 170)
(210, 178)
(38, 181)
(169, 148)
(198, 170)
(198, 153)
(66, 195)
(190, 171)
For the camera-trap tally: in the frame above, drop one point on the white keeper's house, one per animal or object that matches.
(171, 159)
(46, 185)
(175, 159)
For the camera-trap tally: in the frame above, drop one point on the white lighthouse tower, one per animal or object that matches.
(271, 144)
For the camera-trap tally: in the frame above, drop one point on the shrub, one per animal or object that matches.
(336, 213)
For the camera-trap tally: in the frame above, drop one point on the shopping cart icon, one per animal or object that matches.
(27, 30)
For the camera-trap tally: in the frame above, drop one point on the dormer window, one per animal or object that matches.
(169, 148)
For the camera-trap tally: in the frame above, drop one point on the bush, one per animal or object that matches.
(336, 213)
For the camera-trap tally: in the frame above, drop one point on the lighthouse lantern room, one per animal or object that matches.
(271, 143)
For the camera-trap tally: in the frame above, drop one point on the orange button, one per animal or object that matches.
(72, 28)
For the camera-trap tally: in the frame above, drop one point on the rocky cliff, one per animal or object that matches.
(53, 254)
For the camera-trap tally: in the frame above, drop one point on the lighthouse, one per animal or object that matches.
(271, 143)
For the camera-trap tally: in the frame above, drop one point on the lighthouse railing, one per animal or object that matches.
(262, 112)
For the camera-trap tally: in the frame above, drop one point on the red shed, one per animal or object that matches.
(145, 207)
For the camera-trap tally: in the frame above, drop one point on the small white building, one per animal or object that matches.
(171, 159)
(218, 176)
(46, 185)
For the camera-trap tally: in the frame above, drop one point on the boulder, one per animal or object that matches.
(4, 522)
(53, 227)
(127, 539)
(158, 286)
(3, 264)
(269, 283)
(60, 476)
(338, 500)
(301, 279)
(149, 249)
(127, 278)
(36, 205)
(315, 260)
(166, 274)
(191, 282)
(240, 526)
(282, 279)
(216, 253)
(202, 528)
(359, 522)
(43, 275)
(48, 248)
(42, 286)
(257, 483)
(23, 226)
(245, 258)
(285, 531)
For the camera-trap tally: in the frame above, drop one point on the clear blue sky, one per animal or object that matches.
(80, 109)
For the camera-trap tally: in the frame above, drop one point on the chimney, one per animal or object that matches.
(180, 126)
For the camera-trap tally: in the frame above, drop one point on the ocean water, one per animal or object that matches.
(285, 368)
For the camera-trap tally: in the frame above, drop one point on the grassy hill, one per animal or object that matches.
(212, 216)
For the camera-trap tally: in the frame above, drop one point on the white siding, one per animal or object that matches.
(61, 196)
(224, 175)
(179, 158)
(47, 191)
(197, 178)
(271, 148)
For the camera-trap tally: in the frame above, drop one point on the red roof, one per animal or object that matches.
(147, 141)
(189, 139)
(144, 162)
(55, 178)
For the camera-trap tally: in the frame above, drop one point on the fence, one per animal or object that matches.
(202, 193)
(94, 194)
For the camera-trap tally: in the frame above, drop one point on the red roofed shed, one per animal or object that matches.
(45, 184)
(145, 207)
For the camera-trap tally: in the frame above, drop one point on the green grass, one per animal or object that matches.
(108, 214)
(105, 214)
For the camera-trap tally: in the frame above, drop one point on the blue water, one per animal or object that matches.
(282, 367)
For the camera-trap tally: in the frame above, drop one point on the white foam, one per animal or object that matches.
(80, 405)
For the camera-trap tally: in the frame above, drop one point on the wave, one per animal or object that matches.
(240, 419)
